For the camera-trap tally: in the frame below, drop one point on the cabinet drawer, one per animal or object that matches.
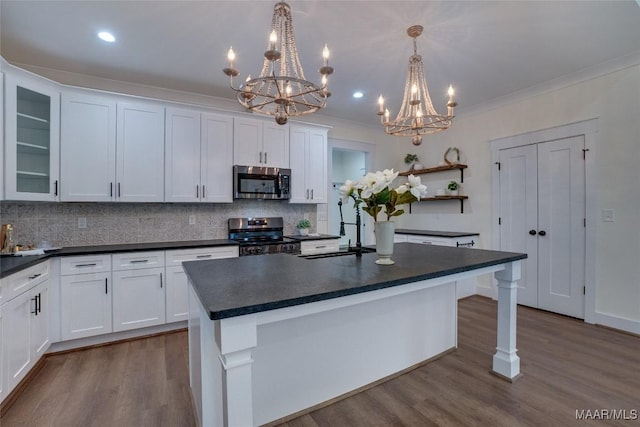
(178, 256)
(20, 282)
(138, 260)
(429, 240)
(319, 246)
(85, 264)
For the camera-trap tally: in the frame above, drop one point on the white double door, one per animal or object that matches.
(542, 213)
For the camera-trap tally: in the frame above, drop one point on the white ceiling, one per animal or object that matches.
(486, 49)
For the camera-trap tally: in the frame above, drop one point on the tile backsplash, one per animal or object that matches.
(116, 223)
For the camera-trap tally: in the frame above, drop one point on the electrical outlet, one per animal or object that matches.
(192, 220)
(82, 222)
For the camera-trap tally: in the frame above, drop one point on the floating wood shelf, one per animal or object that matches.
(434, 169)
(439, 198)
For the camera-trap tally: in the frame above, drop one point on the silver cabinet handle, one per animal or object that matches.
(265, 157)
(204, 256)
(261, 157)
(312, 194)
(160, 280)
(106, 285)
(139, 261)
(197, 191)
(204, 193)
(93, 264)
(35, 276)
(307, 193)
(119, 190)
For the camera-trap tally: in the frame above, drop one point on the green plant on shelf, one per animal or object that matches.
(303, 223)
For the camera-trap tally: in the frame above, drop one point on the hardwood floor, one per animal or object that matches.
(566, 365)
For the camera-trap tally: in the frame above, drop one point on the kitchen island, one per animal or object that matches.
(272, 335)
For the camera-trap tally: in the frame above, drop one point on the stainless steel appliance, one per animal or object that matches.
(256, 182)
(258, 236)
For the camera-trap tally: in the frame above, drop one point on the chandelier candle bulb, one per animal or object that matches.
(273, 38)
(380, 105)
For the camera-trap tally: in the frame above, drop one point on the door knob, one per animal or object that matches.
(542, 233)
(532, 232)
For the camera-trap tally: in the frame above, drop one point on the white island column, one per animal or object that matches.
(506, 362)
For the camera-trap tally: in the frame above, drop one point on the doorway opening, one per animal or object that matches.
(348, 160)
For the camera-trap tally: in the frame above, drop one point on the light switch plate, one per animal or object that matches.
(608, 215)
(82, 222)
(192, 220)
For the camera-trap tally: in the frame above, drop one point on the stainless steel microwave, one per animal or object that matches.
(257, 182)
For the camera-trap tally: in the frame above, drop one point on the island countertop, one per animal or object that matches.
(239, 286)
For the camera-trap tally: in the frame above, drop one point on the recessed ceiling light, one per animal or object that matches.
(358, 94)
(106, 36)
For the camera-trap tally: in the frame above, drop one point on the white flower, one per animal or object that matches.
(402, 189)
(389, 175)
(416, 187)
(346, 190)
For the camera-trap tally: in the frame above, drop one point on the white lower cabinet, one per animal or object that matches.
(138, 290)
(321, 246)
(85, 294)
(25, 329)
(177, 287)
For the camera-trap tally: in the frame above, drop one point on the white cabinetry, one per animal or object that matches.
(309, 247)
(260, 143)
(32, 123)
(111, 150)
(25, 323)
(308, 164)
(138, 290)
(140, 152)
(85, 296)
(88, 148)
(1, 174)
(177, 284)
(198, 157)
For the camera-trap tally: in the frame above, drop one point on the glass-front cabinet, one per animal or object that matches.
(32, 122)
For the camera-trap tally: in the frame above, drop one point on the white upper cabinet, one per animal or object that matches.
(308, 164)
(88, 148)
(32, 130)
(260, 143)
(217, 158)
(182, 156)
(111, 150)
(198, 157)
(140, 152)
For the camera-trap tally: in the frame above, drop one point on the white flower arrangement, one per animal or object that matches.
(374, 191)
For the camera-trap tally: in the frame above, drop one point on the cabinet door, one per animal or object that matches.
(32, 150)
(316, 166)
(275, 145)
(182, 156)
(177, 294)
(140, 153)
(40, 321)
(298, 154)
(3, 339)
(17, 351)
(85, 305)
(1, 173)
(217, 159)
(247, 142)
(87, 148)
(138, 298)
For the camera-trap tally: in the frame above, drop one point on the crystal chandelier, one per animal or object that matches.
(281, 90)
(417, 116)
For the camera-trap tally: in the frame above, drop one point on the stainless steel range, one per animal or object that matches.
(258, 236)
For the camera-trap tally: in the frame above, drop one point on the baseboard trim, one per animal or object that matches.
(619, 323)
(22, 385)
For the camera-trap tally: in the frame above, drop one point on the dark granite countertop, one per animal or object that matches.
(435, 233)
(238, 286)
(13, 264)
(316, 237)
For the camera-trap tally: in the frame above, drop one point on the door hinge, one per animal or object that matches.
(498, 164)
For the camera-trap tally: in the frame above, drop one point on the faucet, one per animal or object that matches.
(358, 222)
